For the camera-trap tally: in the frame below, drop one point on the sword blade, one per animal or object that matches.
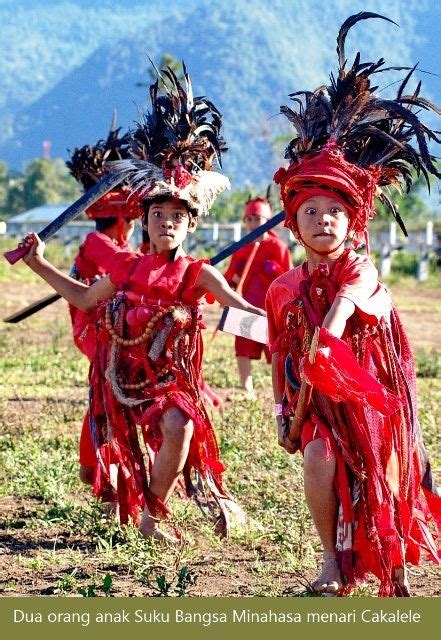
(32, 308)
(245, 324)
(73, 211)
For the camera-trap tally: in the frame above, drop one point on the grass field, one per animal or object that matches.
(55, 540)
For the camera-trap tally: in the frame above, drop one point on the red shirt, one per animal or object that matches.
(156, 279)
(96, 255)
(357, 280)
(271, 260)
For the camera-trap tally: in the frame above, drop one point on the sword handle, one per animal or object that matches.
(300, 412)
(17, 254)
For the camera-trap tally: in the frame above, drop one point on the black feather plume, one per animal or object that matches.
(179, 128)
(86, 163)
(371, 131)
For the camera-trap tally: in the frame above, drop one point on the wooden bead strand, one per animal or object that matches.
(136, 386)
(130, 342)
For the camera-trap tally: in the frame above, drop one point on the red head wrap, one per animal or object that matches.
(258, 207)
(115, 204)
(327, 171)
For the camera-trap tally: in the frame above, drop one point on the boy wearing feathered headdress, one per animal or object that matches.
(149, 347)
(350, 405)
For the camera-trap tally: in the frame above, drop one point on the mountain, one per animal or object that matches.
(79, 61)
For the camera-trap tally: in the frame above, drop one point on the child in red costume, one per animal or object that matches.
(115, 222)
(93, 261)
(209, 395)
(113, 232)
(367, 479)
(250, 272)
(149, 349)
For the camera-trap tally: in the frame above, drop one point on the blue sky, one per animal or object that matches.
(427, 28)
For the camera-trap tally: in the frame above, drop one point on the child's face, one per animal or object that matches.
(323, 223)
(252, 222)
(168, 224)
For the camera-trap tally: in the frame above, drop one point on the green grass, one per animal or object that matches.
(68, 545)
(428, 365)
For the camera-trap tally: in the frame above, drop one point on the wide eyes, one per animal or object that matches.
(310, 211)
(177, 216)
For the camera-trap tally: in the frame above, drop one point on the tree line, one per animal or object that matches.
(48, 181)
(44, 181)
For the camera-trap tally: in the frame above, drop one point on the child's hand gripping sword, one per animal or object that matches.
(304, 395)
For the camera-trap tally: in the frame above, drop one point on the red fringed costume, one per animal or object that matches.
(388, 507)
(93, 261)
(349, 145)
(149, 354)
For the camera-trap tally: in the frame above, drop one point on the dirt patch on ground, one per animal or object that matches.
(36, 562)
(418, 308)
(18, 295)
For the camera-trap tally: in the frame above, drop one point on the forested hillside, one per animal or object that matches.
(66, 65)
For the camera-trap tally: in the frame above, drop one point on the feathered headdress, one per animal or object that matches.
(354, 142)
(88, 166)
(173, 149)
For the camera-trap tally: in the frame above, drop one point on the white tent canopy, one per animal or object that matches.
(39, 215)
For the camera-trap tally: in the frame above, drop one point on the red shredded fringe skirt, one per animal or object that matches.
(141, 369)
(363, 406)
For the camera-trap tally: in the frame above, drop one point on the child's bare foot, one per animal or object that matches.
(150, 529)
(329, 581)
(401, 584)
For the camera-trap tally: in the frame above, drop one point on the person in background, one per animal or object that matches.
(114, 218)
(251, 271)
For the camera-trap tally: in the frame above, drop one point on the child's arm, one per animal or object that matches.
(211, 281)
(358, 288)
(335, 321)
(274, 304)
(78, 294)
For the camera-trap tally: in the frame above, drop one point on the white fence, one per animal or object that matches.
(213, 237)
